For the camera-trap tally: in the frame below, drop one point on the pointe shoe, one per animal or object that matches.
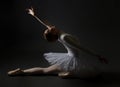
(15, 72)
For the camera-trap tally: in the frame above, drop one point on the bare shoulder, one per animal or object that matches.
(69, 37)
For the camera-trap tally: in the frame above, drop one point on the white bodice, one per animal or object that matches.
(71, 49)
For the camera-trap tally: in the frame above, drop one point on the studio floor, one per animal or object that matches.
(24, 60)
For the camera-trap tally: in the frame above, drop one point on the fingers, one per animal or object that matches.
(103, 60)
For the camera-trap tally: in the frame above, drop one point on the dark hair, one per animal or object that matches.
(50, 36)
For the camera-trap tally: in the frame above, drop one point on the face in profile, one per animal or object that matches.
(51, 35)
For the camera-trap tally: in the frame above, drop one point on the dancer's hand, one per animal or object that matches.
(102, 59)
(31, 11)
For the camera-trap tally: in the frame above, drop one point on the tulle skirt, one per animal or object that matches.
(70, 63)
(65, 61)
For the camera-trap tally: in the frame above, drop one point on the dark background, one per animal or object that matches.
(95, 22)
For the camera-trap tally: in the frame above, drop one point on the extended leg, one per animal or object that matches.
(54, 69)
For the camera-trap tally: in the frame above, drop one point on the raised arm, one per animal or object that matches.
(74, 42)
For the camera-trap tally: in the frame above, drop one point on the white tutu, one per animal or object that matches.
(65, 61)
(71, 61)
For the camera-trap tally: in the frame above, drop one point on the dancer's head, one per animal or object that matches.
(51, 34)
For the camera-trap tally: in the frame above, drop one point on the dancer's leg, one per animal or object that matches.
(54, 69)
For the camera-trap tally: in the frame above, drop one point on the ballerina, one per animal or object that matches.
(69, 64)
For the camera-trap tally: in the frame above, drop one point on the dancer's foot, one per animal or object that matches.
(65, 74)
(16, 72)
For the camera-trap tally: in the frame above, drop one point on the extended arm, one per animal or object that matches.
(70, 40)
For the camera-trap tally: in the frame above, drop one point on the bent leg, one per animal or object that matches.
(54, 69)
